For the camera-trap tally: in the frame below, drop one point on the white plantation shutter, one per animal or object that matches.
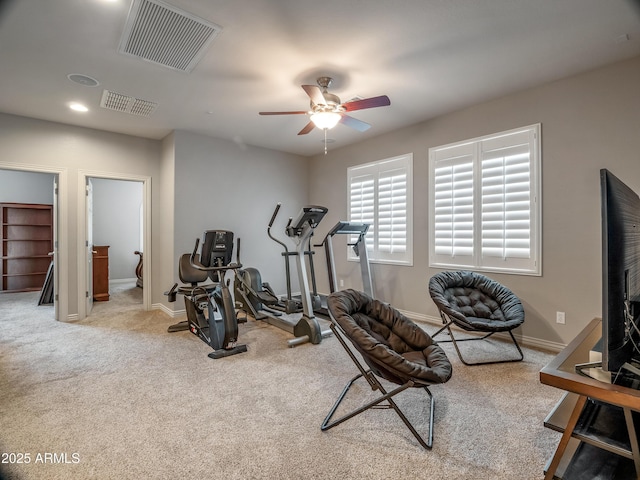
(485, 203)
(362, 205)
(453, 228)
(392, 211)
(506, 201)
(380, 195)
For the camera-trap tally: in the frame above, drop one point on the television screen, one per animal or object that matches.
(620, 272)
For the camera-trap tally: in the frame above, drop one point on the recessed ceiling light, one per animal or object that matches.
(78, 107)
(84, 80)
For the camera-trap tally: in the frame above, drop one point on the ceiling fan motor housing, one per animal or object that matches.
(331, 101)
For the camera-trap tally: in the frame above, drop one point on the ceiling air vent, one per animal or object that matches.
(163, 34)
(126, 104)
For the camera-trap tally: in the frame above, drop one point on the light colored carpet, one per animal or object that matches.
(116, 396)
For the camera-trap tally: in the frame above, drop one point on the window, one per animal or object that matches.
(484, 211)
(380, 195)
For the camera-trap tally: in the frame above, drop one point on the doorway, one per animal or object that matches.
(115, 229)
(108, 204)
(29, 185)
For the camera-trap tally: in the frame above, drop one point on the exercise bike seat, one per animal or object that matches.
(192, 277)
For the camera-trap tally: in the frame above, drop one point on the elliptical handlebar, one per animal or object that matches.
(275, 214)
(273, 219)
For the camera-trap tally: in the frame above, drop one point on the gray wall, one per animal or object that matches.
(589, 121)
(116, 223)
(40, 145)
(163, 245)
(220, 185)
(26, 187)
(217, 184)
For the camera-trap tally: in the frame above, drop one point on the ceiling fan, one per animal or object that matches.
(327, 111)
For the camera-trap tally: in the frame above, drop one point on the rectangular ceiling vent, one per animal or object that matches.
(165, 35)
(126, 104)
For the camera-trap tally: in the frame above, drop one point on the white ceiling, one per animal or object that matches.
(428, 56)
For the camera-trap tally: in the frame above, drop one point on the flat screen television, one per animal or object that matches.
(620, 274)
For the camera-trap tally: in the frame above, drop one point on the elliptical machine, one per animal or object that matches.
(287, 304)
(258, 298)
(290, 304)
(210, 311)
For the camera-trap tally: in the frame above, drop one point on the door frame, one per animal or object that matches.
(61, 258)
(83, 176)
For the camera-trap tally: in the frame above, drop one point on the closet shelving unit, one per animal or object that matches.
(27, 240)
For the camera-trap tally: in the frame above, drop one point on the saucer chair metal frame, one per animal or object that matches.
(500, 310)
(373, 367)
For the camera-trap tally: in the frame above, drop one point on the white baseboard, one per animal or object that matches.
(436, 322)
(167, 310)
(122, 280)
(523, 340)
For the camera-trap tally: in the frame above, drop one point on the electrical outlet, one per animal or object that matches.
(342, 282)
(560, 317)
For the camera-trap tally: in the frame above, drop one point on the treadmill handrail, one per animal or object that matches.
(344, 227)
(359, 248)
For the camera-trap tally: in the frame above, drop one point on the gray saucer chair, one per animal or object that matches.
(392, 347)
(476, 303)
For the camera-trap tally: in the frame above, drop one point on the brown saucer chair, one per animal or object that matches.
(475, 303)
(392, 347)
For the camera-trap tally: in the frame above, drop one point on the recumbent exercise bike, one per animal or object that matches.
(210, 310)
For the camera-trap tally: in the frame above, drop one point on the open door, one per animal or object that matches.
(89, 252)
(54, 258)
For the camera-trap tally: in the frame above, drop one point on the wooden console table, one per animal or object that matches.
(597, 419)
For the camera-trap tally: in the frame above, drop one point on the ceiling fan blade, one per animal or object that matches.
(315, 94)
(381, 101)
(283, 113)
(307, 128)
(354, 123)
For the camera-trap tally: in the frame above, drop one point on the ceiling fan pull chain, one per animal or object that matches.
(325, 141)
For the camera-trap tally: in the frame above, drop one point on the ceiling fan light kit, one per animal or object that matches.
(325, 120)
(327, 110)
